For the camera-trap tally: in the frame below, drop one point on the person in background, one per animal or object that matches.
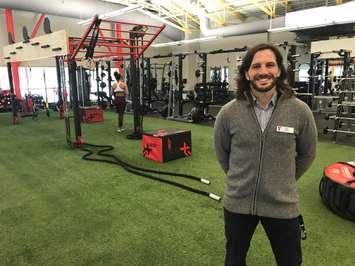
(120, 92)
(265, 140)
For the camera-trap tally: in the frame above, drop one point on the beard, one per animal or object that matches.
(266, 88)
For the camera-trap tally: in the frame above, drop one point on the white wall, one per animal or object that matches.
(227, 59)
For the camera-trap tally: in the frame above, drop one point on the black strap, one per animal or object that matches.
(303, 228)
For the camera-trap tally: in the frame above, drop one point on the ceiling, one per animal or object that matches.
(184, 14)
(194, 17)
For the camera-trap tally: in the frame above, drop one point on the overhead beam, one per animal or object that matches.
(267, 7)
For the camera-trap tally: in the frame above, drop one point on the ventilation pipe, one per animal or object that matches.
(258, 26)
(80, 9)
(303, 19)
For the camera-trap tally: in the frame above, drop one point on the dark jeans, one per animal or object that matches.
(284, 236)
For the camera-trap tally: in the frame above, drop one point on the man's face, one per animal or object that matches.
(263, 71)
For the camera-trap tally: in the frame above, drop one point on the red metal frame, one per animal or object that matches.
(119, 62)
(10, 29)
(14, 66)
(118, 44)
(36, 27)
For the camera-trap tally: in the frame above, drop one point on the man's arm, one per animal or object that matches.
(222, 141)
(306, 143)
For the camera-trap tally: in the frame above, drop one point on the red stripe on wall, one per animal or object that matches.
(15, 66)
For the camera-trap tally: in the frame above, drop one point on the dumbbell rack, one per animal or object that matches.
(346, 100)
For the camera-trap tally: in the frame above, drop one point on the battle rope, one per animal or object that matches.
(112, 159)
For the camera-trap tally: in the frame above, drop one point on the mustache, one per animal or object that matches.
(264, 76)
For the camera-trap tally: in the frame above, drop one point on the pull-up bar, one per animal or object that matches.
(133, 41)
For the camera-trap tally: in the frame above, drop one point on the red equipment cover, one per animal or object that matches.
(165, 145)
(341, 173)
(91, 114)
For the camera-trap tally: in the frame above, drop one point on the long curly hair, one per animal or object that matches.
(244, 85)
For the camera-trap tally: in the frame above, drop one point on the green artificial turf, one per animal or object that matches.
(57, 209)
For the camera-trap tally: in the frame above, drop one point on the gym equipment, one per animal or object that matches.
(5, 101)
(206, 93)
(132, 42)
(61, 107)
(346, 101)
(166, 145)
(290, 60)
(103, 83)
(337, 189)
(46, 107)
(26, 37)
(102, 151)
(47, 26)
(15, 105)
(27, 107)
(91, 114)
(167, 98)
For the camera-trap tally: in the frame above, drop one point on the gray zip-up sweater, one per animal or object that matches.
(262, 167)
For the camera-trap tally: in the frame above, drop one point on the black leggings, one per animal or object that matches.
(284, 236)
(120, 108)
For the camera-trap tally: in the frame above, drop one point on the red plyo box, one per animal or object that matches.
(91, 114)
(166, 145)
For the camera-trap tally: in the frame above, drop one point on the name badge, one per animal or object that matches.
(289, 130)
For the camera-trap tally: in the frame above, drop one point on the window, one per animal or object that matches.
(225, 73)
(4, 79)
(35, 80)
(303, 73)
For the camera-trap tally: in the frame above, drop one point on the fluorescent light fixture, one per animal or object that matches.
(114, 13)
(203, 39)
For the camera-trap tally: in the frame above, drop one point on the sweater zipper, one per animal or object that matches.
(253, 207)
(253, 210)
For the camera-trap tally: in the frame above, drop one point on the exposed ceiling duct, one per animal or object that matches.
(313, 18)
(258, 26)
(81, 9)
(84, 9)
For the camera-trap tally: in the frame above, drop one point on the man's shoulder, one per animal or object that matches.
(232, 109)
(298, 106)
(296, 102)
(234, 103)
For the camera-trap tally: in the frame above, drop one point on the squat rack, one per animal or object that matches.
(203, 66)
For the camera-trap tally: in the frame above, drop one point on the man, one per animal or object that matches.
(265, 140)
